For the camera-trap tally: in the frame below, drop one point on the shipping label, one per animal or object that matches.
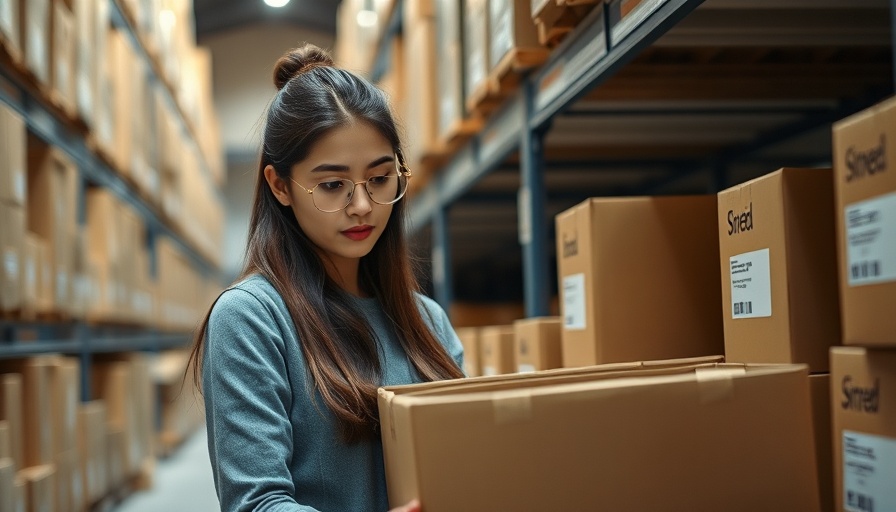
(871, 240)
(751, 285)
(869, 472)
(574, 302)
(525, 368)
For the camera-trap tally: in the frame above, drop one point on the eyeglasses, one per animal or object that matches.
(334, 195)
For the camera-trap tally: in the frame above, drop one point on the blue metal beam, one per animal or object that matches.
(532, 224)
(442, 280)
(586, 58)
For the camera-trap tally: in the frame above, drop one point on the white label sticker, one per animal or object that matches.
(871, 240)
(751, 285)
(30, 275)
(869, 466)
(574, 302)
(11, 264)
(526, 368)
(18, 177)
(489, 370)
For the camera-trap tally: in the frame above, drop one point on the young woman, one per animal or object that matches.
(326, 310)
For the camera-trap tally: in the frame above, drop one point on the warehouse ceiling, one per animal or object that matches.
(213, 16)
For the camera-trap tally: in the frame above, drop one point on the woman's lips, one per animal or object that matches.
(358, 233)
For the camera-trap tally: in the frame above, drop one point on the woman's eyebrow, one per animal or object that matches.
(344, 168)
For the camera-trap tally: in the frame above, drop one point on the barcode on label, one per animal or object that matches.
(859, 501)
(743, 308)
(865, 269)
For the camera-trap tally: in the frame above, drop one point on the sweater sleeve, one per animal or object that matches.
(443, 330)
(247, 398)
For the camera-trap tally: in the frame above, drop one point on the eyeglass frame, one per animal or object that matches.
(400, 168)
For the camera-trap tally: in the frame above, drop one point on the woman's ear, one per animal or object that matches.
(278, 185)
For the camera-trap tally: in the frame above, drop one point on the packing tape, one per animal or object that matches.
(716, 383)
(512, 406)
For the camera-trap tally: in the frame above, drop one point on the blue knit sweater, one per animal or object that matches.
(272, 446)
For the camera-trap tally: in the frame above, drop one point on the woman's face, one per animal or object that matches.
(355, 152)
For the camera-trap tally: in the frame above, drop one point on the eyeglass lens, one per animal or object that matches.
(334, 195)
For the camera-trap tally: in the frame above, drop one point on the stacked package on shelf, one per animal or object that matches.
(51, 216)
(537, 344)
(863, 373)
(13, 204)
(421, 90)
(38, 403)
(637, 294)
(779, 286)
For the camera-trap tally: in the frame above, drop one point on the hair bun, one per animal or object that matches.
(299, 60)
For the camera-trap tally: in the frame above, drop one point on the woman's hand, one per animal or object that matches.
(413, 506)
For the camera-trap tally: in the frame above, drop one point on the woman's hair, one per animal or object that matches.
(339, 346)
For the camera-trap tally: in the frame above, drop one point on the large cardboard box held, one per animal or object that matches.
(865, 187)
(863, 402)
(637, 279)
(779, 267)
(537, 344)
(687, 437)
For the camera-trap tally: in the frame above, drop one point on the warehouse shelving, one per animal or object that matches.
(22, 338)
(594, 82)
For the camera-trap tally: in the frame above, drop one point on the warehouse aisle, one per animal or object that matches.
(183, 482)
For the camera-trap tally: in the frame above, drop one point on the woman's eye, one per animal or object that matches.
(331, 185)
(378, 180)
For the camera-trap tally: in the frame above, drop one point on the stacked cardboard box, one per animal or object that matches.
(52, 196)
(12, 208)
(450, 58)
(638, 294)
(537, 344)
(12, 414)
(36, 38)
(469, 338)
(497, 350)
(10, 31)
(544, 441)
(863, 374)
(92, 450)
(476, 45)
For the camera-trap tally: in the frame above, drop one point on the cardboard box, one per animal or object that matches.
(31, 275)
(124, 77)
(12, 244)
(36, 38)
(496, 345)
(65, 394)
(639, 294)
(779, 266)
(37, 423)
(52, 212)
(5, 446)
(62, 72)
(865, 189)
(40, 487)
(11, 412)
(113, 382)
(21, 496)
(545, 446)
(85, 61)
(64, 500)
(820, 392)
(7, 485)
(511, 28)
(10, 29)
(864, 428)
(537, 344)
(421, 90)
(93, 453)
(449, 50)
(469, 338)
(12, 157)
(476, 45)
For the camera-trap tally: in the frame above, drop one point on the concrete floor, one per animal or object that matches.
(183, 482)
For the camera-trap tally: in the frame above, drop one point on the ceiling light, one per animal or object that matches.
(366, 18)
(276, 3)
